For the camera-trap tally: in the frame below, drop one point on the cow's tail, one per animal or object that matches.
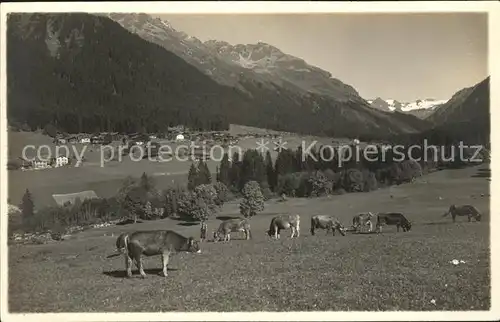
(122, 244)
(271, 226)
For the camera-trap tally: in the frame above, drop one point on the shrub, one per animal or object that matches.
(288, 184)
(253, 200)
(370, 181)
(199, 204)
(410, 169)
(319, 184)
(353, 180)
(222, 193)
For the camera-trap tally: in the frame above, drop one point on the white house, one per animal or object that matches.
(40, 164)
(85, 140)
(179, 137)
(61, 161)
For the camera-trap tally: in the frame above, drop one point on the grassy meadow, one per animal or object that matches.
(387, 271)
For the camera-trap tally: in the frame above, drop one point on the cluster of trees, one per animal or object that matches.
(296, 173)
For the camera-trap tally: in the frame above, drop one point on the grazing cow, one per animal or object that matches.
(463, 210)
(284, 222)
(232, 225)
(328, 223)
(362, 220)
(393, 219)
(150, 243)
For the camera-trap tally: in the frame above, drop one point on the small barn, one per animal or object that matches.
(62, 199)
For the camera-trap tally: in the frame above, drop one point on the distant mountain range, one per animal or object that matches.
(226, 63)
(420, 108)
(133, 72)
(464, 117)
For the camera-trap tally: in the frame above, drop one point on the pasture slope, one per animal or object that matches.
(106, 180)
(389, 271)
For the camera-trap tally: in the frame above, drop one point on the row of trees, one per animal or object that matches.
(139, 199)
(253, 177)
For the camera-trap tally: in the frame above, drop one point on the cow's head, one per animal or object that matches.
(408, 225)
(215, 236)
(121, 243)
(193, 246)
(478, 217)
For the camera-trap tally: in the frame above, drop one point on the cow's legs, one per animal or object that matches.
(397, 227)
(297, 229)
(138, 263)
(371, 225)
(453, 217)
(128, 265)
(164, 260)
(276, 233)
(136, 252)
(469, 218)
(141, 267)
(293, 231)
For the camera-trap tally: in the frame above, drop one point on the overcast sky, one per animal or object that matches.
(393, 56)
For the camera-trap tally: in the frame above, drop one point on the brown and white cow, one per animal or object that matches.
(362, 220)
(328, 223)
(284, 222)
(463, 210)
(150, 243)
(232, 225)
(392, 219)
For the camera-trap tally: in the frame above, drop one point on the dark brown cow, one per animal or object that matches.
(393, 218)
(150, 243)
(328, 223)
(284, 222)
(463, 210)
(232, 225)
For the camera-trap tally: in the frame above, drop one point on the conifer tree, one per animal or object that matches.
(192, 177)
(252, 168)
(27, 206)
(204, 176)
(271, 177)
(146, 182)
(224, 171)
(235, 172)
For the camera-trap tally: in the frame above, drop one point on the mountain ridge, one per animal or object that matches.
(93, 74)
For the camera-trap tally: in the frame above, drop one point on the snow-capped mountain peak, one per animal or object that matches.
(420, 108)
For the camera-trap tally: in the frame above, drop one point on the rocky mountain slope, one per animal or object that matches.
(92, 74)
(468, 104)
(226, 62)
